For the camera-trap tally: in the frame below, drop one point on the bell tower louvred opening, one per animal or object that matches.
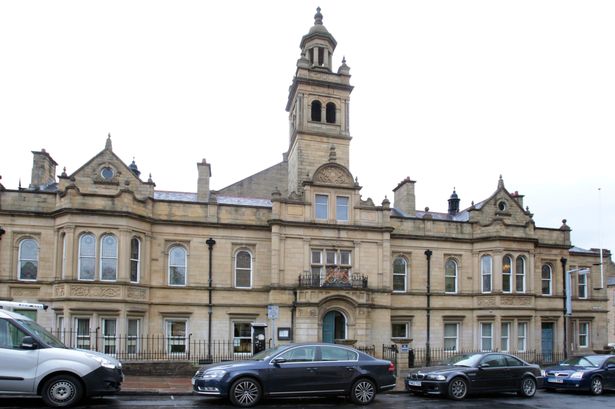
(318, 106)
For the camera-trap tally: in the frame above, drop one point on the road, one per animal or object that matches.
(542, 400)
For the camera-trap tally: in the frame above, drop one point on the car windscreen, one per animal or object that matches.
(469, 360)
(41, 333)
(267, 353)
(591, 360)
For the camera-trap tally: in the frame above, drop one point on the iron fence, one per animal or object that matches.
(439, 355)
(160, 347)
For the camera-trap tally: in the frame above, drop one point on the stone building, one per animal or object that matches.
(107, 251)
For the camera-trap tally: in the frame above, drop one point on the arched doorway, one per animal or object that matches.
(333, 326)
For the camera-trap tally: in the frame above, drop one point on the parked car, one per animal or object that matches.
(592, 373)
(298, 370)
(476, 372)
(34, 362)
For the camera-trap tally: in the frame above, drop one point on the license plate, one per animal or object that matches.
(193, 381)
(555, 380)
(414, 383)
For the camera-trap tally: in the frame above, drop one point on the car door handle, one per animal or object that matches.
(311, 369)
(350, 368)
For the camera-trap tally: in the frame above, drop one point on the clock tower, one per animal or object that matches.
(318, 107)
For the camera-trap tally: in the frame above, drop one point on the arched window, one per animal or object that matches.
(28, 259)
(547, 279)
(243, 269)
(400, 274)
(330, 113)
(108, 258)
(486, 272)
(177, 265)
(507, 274)
(316, 111)
(135, 260)
(87, 257)
(450, 276)
(520, 275)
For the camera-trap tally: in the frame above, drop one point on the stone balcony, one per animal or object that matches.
(334, 278)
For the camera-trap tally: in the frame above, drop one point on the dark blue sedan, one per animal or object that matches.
(298, 370)
(592, 373)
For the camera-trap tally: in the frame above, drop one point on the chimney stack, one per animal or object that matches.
(404, 198)
(43, 169)
(203, 183)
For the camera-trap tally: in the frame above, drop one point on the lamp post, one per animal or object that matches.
(210, 245)
(564, 260)
(428, 254)
(568, 299)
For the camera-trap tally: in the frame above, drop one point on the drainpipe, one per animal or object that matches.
(210, 245)
(428, 254)
(293, 311)
(563, 260)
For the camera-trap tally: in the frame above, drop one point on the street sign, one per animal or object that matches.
(273, 312)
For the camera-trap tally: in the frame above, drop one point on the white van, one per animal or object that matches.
(34, 362)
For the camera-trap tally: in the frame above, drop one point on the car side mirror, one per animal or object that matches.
(610, 366)
(28, 342)
(484, 365)
(277, 361)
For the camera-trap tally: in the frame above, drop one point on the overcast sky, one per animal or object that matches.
(451, 93)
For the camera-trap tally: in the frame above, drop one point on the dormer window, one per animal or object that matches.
(330, 114)
(316, 111)
(107, 173)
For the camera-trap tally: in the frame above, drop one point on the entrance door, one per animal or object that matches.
(333, 327)
(547, 341)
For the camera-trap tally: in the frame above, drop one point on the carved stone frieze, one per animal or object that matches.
(136, 293)
(515, 300)
(59, 291)
(486, 301)
(94, 291)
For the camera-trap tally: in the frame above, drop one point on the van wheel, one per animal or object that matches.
(62, 391)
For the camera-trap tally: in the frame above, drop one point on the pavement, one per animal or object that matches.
(160, 385)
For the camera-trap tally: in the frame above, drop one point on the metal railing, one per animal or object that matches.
(332, 280)
(160, 347)
(439, 355)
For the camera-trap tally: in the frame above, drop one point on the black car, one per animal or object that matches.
(476, 372)
(592, 373)
(298, 370)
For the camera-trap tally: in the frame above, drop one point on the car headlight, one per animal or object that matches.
(577, 375)
(104, 362)
(214, 374)
(436, 377)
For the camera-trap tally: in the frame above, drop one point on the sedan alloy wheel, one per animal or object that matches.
(362, 392)
(595, 386)
(245, 392)
(528, 387)
(458, 388)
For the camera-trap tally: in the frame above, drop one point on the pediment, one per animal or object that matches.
(107, 174)
(503, 208)
(333, 174)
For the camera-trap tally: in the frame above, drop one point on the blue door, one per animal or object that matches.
(333, 327)
(328, 327)
(547, 341)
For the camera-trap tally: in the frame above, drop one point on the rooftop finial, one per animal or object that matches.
(332, 154)
(500, 182)
(318, 17)
(108, 143)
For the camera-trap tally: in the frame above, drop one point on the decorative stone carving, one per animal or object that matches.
(515, 300)
(59, 291)
(333, 174)
(136, 293)
(486, 301)
(94, 291)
